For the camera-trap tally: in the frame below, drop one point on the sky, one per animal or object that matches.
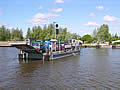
(79, 16)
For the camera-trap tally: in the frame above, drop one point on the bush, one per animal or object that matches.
(116, 43)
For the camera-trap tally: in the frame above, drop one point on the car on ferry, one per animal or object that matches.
(37, 44)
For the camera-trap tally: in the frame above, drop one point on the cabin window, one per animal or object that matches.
(33, 44)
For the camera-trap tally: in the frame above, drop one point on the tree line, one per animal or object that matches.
(47, 32)
(100, 34)
(8, 35)
(36, 32)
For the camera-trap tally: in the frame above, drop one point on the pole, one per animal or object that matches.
(51, 54)
(55, 35)
(55, 39)
(59, 45)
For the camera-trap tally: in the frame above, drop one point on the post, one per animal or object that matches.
(59, 45)
(55, 34)
(51, 52)
(27, 56)
(55, 39)
(23, 55)
(43, 57)
(75, 46)
(19, 51)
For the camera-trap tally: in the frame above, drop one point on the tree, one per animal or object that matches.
(4, 34)
(68, 37)
(17, 34)
(7, 35)
(102, 33)
(87, 38)
(75, 36)
(28, 33)
(3, 29)
(21, 38)
(62, 34)
(95, 37)
(0, 34)
(115, 37)
(45, 33)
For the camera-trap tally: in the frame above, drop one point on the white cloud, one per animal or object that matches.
(59, 1)
(92, 15)
(110, 19)
(41, 18)
(56, 10)
(92, 24)
(40, 7)
(100, 7)
(3, 23)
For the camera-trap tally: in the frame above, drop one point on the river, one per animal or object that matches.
(93, 69)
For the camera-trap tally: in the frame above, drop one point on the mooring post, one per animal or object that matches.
(19, 51)
(27, 56)
(43, 58)
(51, 55)
(23, 55)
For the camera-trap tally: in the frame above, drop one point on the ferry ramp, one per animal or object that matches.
(26, 48)
(27, 51)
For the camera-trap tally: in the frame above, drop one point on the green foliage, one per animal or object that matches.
(116, 43)
(95, 37)
(17, 34)
(7, 35)
(115, 37)
(87, 38)
(2, 33)
(75, 36)
(28, 33)
(102, 33)
(48, 32)
(45, 33)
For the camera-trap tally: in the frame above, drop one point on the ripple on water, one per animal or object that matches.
(93, 69)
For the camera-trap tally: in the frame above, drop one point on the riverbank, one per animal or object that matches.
(6, 43)
(94, 46)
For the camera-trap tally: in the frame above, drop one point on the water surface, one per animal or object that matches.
(92, 69)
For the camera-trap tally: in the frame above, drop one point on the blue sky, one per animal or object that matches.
(79, 16)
